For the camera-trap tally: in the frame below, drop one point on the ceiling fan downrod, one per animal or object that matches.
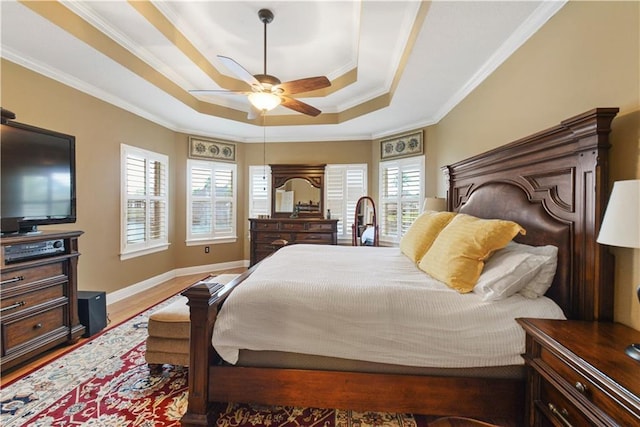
(266, 16)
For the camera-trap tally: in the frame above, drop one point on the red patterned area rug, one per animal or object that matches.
(106, 382)
(237, 415)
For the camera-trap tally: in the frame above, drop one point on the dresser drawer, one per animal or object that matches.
(16, 304)
(553, 405)
(322, 226)
(269, 236)
(26, 276)
(294, 226)
(261, 254)
(26, 329)
(259, 226)
(320, 238)
(586, 389)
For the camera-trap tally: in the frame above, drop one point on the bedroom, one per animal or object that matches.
(543, 82)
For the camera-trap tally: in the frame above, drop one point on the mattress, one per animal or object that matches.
(370, 304)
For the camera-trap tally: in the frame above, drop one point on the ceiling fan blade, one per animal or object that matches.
(253, 112)
(239, 71)
(299, 106)
(304, 85)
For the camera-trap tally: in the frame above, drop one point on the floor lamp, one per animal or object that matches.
(620, 227)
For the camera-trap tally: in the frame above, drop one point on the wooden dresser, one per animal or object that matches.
(308, 230)
(579, 374)
(39, 294)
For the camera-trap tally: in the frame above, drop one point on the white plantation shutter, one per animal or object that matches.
(211, 202)
(259, 191)
(223, 211)
(345, 184)
(410, 196)
(401, 193)
(144, 202)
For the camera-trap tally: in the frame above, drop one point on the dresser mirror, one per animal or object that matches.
(297, 191)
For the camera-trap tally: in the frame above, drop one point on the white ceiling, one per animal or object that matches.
(394, 65)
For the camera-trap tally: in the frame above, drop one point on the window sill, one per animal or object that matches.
(141, 252)
(211, 241)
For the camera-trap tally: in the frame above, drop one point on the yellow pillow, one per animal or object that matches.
(457, 255)
(421, 234)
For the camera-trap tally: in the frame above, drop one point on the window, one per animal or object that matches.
(401, 195)
(211, 202)
(344, 185)
(259, 191)
(144, 202)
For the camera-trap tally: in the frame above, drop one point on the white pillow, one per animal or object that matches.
(540, 283)
(507, 272)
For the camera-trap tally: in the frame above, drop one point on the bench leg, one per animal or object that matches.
(155, 368)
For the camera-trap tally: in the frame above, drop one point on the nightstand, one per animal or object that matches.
(579, 375)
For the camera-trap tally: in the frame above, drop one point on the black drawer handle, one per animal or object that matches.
(12, 306)
(561, 415)
(12, 280)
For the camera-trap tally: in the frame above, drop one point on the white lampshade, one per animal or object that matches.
(264, 101)
(620, 224)
(434, 204)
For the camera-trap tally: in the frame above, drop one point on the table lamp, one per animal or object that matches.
(620, 227)
(437, 204)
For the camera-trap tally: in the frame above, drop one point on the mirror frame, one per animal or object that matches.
(313, 174)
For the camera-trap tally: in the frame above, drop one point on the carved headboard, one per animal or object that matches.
(555, 184)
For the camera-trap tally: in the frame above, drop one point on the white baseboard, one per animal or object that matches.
(151, 282)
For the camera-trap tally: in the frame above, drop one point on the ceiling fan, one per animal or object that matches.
(267, 91)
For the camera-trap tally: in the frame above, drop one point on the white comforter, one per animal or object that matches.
(373, 304)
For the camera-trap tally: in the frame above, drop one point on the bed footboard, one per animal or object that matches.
(204, 302)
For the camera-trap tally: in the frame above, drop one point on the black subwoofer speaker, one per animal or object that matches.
(92, 311)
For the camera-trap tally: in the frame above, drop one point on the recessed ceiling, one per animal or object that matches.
(394, 65)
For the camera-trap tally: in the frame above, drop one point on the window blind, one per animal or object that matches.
(211, 204)
(401, 193)
(144, 200)
(344, 185)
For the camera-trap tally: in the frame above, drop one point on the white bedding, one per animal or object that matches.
(373, 304)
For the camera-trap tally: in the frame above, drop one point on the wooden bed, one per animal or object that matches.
(554, 183)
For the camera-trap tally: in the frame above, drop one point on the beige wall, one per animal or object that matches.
(99, 129)
(586, 56)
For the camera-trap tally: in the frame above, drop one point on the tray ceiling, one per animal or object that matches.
(394, 65)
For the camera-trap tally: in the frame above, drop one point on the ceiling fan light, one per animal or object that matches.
(264, 101)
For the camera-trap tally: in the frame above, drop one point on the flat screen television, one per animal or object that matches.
(38, 183)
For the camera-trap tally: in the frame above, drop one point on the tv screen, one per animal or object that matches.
(38, 178)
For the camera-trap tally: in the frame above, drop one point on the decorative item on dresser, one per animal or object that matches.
(579, 374)
(266, 234)
(621, 227)
(39, 294)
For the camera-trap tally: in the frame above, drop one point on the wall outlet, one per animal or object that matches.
(206, 249)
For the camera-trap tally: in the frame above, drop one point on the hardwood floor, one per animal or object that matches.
(117, 313)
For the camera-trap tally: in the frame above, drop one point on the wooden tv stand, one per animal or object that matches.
(38, 299)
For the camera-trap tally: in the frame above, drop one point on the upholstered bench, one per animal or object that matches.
(169, 329)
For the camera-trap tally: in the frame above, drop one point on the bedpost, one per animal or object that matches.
(205, 299)
(591, 131)
(203, 311)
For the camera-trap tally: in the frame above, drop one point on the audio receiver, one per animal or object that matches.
(23, 251)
